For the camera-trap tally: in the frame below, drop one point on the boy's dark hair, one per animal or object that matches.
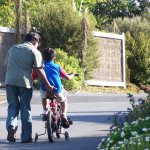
(48, 54)
(32, 37)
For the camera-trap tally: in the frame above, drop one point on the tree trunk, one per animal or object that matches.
(27, 24)
(18, 4)
(84, 43)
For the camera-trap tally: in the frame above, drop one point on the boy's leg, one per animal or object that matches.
(45, 103)
(62, 99)
(63, 106)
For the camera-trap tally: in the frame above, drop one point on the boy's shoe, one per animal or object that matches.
(11, 134)
(64, 122)
(70, 122)
(44, 117)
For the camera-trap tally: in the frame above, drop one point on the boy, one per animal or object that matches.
(54, 74)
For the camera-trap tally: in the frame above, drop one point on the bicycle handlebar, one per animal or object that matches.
(76, 74)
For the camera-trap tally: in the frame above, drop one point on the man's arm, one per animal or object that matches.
(43, 78)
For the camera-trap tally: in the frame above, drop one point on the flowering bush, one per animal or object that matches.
(131, 130)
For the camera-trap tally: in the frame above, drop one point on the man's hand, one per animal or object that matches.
(49, 90)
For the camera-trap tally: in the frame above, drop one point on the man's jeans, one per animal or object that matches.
(19, 98)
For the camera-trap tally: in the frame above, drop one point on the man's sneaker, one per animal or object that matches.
(64, 122)
(44, 117)
(11, 134)
(28, 141)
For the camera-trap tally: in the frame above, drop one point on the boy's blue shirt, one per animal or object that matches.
(52, 71)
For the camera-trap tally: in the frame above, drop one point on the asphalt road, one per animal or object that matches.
(89, 112)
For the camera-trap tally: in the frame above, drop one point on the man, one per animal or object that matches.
(20, 60)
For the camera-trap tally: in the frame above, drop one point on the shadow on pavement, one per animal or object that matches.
(81, 143)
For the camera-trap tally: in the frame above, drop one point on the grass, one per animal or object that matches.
(130, 88)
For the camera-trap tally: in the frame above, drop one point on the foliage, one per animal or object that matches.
(106, 11)
(70, 64)
(138, 57)
(133, 25)
(61, 27)
(130, 130)
(7, 12)
(137, 33)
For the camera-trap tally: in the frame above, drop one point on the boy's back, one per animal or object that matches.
(52, 71)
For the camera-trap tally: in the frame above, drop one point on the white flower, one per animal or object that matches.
(99, 144)
(113, 148)
(144, 129)
(147, 138)
(98, 148)
(125, 123)
(122, 134)
(146, 149)
(139, 143)
(107, 145)
(114, 128)
(110, 141)
(134, 133)
(115, 133)
(120, 142)
(147, 118)
(122, 145)
(103, 140)
(140, 119)
(134, 143)
(134, 122)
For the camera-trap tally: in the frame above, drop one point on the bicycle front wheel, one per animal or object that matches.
(50, 124)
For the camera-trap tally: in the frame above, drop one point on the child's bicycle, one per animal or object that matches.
(54, 123)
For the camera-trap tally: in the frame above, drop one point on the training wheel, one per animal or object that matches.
(36, 137)
(66, 136)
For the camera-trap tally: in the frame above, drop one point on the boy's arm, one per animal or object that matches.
(69, 76)
(34, 75)
(65, 75)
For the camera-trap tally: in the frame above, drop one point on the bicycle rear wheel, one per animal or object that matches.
(50, 124)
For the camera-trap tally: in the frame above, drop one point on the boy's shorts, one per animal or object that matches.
(60, 97)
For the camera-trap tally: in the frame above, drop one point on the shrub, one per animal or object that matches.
(137, 44)
(70, 64)
(138, 54)
(133, 25)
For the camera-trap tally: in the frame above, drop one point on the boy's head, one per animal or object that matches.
(49, 54)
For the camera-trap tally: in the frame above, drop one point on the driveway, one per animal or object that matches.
(90, 114)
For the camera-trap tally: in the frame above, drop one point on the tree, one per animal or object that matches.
(61, 27)
(7, 17)
(106, 11)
